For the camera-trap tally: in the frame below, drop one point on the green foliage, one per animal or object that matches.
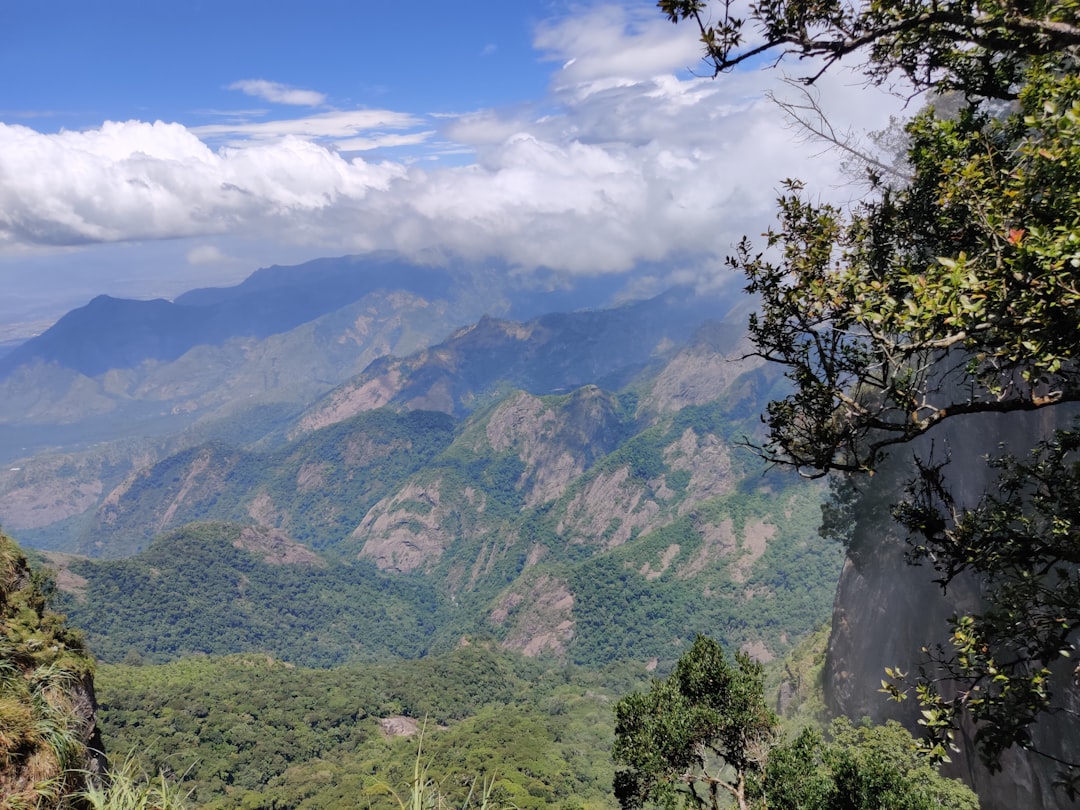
(627, 608)
(194, 591)
(981, 50)
(971, 309)
(128, 788)
(422, 791)
(248, 732)
(796, 683)
(856, 768)
(1023, 544)
(705, 734)
(947, 293)
(45, 672)
(699, 735)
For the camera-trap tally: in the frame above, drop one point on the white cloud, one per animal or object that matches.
(132, 180)
(628, 159)
(383, 141)
(206, 254)
(617, 43)
(279, 93)
(325, 126)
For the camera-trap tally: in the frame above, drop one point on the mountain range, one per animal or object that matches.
(565, 484)
(116, 368)
(367, 459)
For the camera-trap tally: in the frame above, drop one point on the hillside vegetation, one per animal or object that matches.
(520, 529)
(49, 741)
(251, 732)
(593, 525)
(486, 542)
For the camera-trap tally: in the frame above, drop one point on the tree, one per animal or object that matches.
(704, 736)
(859, 766)
(983, 49)
(701, 734)
(952, 293)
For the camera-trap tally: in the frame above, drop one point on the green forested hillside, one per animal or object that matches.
(774, 600)
(199, 590)
(196, 591)
(250, 732)
(581, 525)
(506, 576)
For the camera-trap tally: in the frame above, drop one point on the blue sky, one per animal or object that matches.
(79, 63)
(148, 147)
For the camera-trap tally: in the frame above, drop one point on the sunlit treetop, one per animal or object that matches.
(980, 49)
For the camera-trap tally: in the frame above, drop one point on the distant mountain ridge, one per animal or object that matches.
(553, 482)
(112, 333)
(273, 343)
(551, 354)
(593, 524)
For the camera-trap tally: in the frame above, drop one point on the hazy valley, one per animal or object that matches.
(398, 486)
(348, 462)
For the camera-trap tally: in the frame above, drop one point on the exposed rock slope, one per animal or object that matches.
(551, 354)
(886, 611)
(592, 524)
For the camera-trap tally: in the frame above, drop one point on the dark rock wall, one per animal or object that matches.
(887, 610)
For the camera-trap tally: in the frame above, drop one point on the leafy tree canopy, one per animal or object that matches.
(704, 736)
(859, 766)
(701, 734)
(949, 292)
(980, 48)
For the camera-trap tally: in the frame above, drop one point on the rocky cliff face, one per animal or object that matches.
(49, 740)
(886, 611)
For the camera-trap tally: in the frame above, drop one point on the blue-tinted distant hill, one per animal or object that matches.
(112, 333)
(314, 288)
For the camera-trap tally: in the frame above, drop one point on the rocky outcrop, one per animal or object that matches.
(886, 611)
(547, 355)
(555, 440)
(47, 490)
(708, 460)
(161, 497)
(50, 744)
(704, 370)
(609, 509)
(274, 547)
(539, 616)
(410, 530)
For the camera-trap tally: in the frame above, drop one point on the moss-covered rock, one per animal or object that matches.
(49, 740)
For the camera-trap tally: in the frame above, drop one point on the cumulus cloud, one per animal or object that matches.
(278, 93)
(330, 126)
(132, 180)
(629, 159)
(616, 43)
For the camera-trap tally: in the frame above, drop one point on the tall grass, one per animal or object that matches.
(422, 792)
(41, 743)
(128, 787)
